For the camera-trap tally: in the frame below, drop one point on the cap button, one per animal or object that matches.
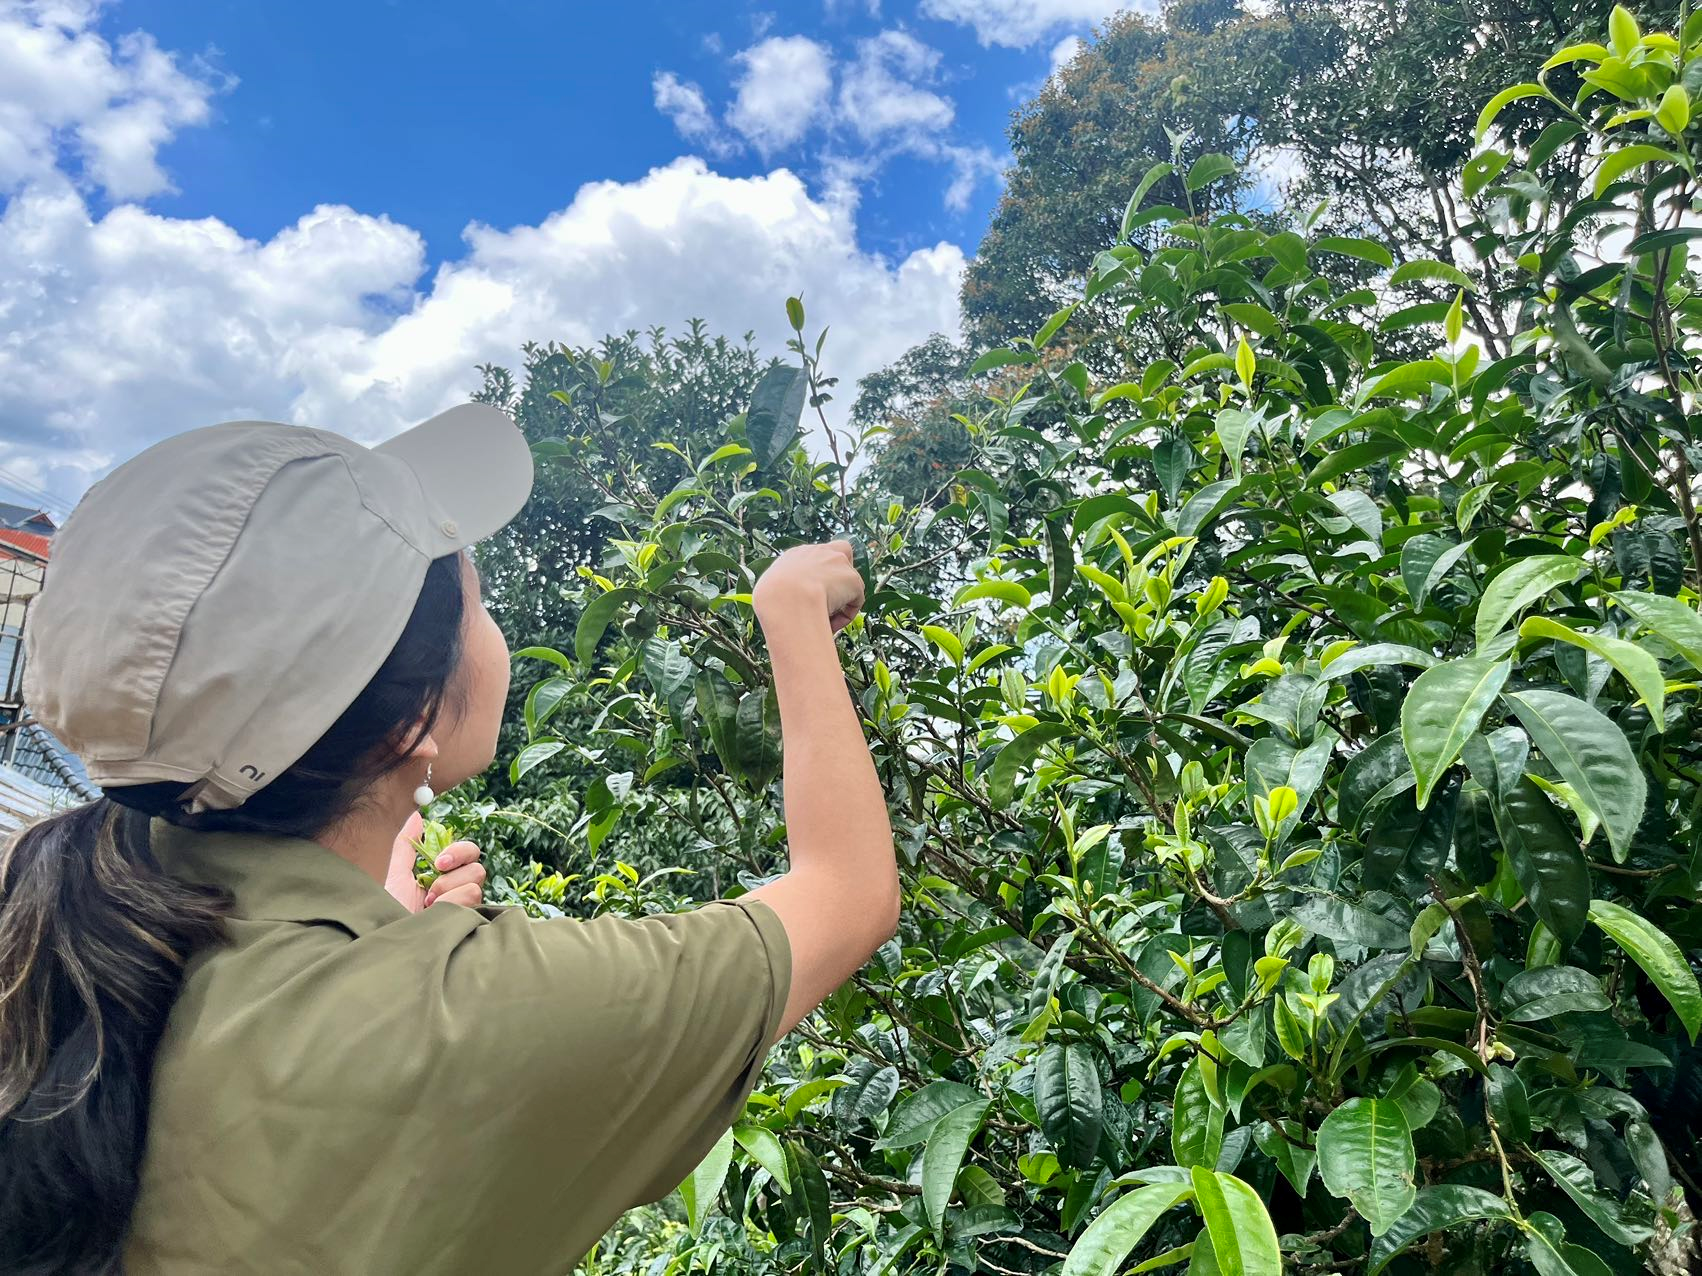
(449, 527)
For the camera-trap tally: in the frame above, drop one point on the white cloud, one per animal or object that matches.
(66, 92)
(782, 91)
(683, 103)
(886, 104)
(134, 326)
(1017, 24)
(970, 164)
(117, 330)
(882, 92)
(1064, 52)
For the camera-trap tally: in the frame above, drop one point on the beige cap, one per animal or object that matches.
(214, 604)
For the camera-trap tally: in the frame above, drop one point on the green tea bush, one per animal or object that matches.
(1299, 800)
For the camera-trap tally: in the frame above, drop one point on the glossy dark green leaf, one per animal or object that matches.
(1550, 1253)
(1372, 776)
(1541, 993)
(1661, 959)
(1434, 1209)
(1348, 923)
(1508, 1103)
(943, 1155)
(757, 737)
(1010, 761)
(1069, 1099)
(871, 1088)
(1591, 754)
(1442, 709)
(916, 1114)
(1365, 1154)
(810, 1200)
(1546, 859)
(596, 618)
(1196, 1123)
(777, 405)
(1289, 1148)
(1578, 1181)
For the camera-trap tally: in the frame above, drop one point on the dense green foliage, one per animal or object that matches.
(1297, 796)
(1363, 103)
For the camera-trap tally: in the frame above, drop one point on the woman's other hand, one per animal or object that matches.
(460, 877)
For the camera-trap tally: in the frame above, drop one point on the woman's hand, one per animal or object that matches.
(460, 876)
(811, 577)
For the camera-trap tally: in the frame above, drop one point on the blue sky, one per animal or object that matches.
(329, 212)
(377, 104)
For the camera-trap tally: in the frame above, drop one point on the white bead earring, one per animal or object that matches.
(423, 796)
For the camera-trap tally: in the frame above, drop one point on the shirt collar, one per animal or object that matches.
(277, 878)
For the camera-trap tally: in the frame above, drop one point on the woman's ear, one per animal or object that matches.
(424, 744)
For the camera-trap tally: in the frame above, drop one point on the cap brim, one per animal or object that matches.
(474, 466)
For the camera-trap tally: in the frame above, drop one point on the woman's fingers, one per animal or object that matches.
(460, 877)
(464, 885)
(455, 855)
(468, 895)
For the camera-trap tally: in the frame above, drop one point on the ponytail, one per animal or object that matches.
(93, 939)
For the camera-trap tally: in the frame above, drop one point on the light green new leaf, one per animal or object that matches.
(763, 1146)
(943, 1155)
(1119, 1228)
(1673, 114)
(1423, 268)
(1591, 754)
(1527, 580)
(1364, 249)
(1623, 31)
(703, 1185)
(1365, 1154)
(1501, 101)
(1432, 1210)
(1619, 163)
(1006, 591)
(1661, 959)
(1243, 1240)
(1678, 623)
(1578, 53)
(1636, 666)
(1442, 708)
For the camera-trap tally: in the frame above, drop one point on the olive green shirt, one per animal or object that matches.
(348, 1087)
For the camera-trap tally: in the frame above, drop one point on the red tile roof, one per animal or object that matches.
(32, 542)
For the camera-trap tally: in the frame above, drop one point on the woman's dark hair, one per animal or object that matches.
(94, 938)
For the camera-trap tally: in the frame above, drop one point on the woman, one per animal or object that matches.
(224, 1046)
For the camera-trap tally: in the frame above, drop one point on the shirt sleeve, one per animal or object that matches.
(609, 1054)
